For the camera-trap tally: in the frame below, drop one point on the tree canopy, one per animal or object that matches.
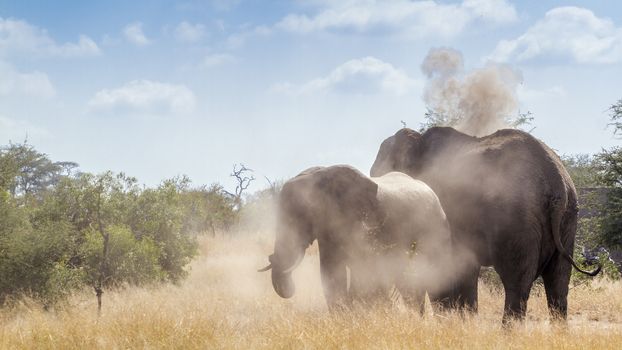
(61, 229)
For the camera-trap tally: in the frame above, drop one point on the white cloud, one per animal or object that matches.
(134, 33)
(238, 39)
(84, 46)
(20, 37)
(190, 33)
(15, 83)
(217, 60)
(366, 75)
(566, 31)
(411, 18)
(145, 96)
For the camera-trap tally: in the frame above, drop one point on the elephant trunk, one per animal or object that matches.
(282, 272)
(283, 284)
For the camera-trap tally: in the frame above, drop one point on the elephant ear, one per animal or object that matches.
(354, 193)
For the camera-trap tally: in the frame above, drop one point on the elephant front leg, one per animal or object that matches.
(410, 284)
(370, 283)
(467, 290)
(413, 293)
(334, 277)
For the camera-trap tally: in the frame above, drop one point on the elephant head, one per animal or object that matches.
(397, 153)
(412, 153)
(325, 203)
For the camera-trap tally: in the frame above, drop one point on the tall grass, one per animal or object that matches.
(226, 304)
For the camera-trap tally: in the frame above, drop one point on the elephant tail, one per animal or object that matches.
(559, 207)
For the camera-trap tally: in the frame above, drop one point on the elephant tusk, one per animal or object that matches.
(288, 270)
(265, 268)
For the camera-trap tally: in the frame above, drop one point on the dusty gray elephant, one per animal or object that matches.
(366, 224)
(509, 201)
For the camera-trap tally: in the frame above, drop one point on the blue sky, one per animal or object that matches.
(158, 88)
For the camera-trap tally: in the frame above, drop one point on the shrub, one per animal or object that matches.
(128, 260)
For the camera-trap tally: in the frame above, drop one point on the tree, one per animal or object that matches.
(584, 170)
(243, 180)
(610, 167)
(96, 230)
(610, 175)
(26, 172)
(615, 112)
(435, 118)
(35, 256)
(207, 209)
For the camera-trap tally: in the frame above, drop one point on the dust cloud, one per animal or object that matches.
(233, 257)
(381, 265)
(476, 102)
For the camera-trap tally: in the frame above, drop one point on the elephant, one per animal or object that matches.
(510, 203)
(368, 225)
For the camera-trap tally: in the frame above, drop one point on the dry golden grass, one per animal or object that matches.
(226, 304)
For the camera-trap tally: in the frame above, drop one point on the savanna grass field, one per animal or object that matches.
(226, 304)
(163, 162)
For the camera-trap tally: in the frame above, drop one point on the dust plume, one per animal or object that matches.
(245, 248)
(379, 247)
(477, 102)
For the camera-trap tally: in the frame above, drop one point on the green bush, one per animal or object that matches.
(62, 231)
(609, 269)
(207, 209)
(36, 261)
(128, 260)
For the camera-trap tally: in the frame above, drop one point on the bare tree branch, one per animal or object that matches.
(244, 179)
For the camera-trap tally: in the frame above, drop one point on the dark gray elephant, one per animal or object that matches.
(509, 201)
(366, 224)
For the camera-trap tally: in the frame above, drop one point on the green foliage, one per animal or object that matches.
(61, 230)
(129, 260)
(158, 216)
(25, 171)
(602, 175)
(207, 209)
(610, 167)
(611, 220)
(615, 111)
(490, 278)
(605, 170)
(583, 169)
(609, 268)
(435, 118)
(589, 232)
(35, 261)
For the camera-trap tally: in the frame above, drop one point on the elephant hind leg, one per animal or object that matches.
(515, 304)
(517, 285)
(556, 274)
(556, 277)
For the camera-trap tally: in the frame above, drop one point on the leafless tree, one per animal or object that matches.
(243, 177)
